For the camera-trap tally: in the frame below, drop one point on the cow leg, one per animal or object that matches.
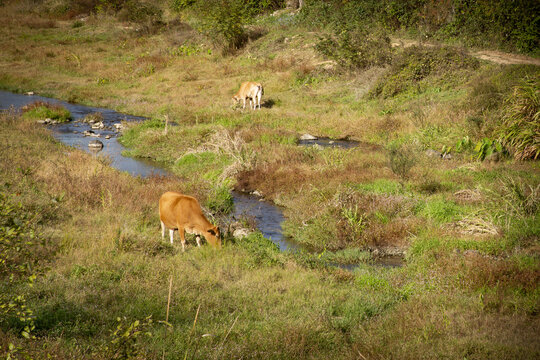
(171, 234)
(182, 238)
(244, 107)
(259, 100)
(198, 241)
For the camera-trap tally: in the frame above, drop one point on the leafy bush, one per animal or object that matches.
(179, 5)
(356, 48)
(486, 147)
(417, 63)
(521, 123)
(43, 110)
(17, 257)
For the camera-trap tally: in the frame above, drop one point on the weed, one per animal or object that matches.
(124, 339)
(486, 147)
(356, 222)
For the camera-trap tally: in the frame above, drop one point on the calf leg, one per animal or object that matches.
(162, 230)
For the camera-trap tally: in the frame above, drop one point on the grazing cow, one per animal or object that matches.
(252, 91)
(183, 213)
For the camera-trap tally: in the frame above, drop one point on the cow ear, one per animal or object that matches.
(211, 231)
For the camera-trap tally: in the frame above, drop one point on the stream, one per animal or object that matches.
(267, 216)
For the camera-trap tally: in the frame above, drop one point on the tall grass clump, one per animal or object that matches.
(521, 124)
(42, 110)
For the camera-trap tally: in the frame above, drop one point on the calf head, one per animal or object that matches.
(235, 101)
(213, 237)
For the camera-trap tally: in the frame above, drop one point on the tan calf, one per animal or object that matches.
(252, 91)
(183, 213)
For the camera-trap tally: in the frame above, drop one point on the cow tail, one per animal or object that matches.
(262, 89)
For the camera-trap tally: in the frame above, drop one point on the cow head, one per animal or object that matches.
(213, 237)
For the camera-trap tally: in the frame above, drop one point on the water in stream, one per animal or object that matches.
(268, 217)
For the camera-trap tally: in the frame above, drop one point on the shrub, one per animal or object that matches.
(223, 22)
(139, 12)
(521, 123)
(401, 160)
(356, 48)
(417, 63)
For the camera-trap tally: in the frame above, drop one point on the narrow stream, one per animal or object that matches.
(268, 217)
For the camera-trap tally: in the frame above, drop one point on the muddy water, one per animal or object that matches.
(267, 216)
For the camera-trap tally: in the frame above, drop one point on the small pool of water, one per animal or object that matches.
(328, 142)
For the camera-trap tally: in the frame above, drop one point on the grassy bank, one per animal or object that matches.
(468, 224)
(102, 259)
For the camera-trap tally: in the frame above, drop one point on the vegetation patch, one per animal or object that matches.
(521, 124)
(415, 64)
(40, 110)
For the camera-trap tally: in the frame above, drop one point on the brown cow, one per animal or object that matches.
(183, 213)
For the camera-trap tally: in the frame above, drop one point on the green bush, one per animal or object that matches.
(417, 63)
(521, 123)
(356, 48)
(223, 22)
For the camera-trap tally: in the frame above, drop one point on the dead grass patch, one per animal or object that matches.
(475, 226)
(467, 196)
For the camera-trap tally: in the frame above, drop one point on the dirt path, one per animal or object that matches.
(488, 55)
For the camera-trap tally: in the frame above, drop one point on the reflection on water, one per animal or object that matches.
(268, 218)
